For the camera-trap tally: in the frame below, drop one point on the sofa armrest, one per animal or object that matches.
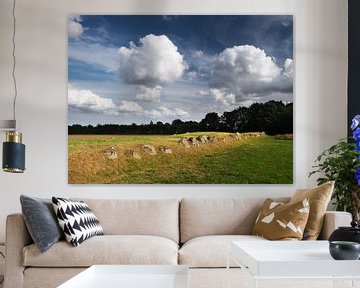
(17, 237)
(333, 220)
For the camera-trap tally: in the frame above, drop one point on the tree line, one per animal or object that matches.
(273, 117)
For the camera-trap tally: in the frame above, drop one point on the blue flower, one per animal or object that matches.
(355, 122)
(356, 134)
(357, 176)
(355, 126)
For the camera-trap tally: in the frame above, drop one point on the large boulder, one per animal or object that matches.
(110, 153)
(212, 139)
(194, 142)
(149, 149)
(203, 139)
(166, 150)
(133, 154)
(185, 143)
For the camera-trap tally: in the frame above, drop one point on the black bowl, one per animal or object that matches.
(344, 250)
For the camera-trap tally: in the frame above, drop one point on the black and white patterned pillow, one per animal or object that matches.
(77, 220)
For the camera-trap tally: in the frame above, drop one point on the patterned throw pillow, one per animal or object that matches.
(279, 221)
(319, 198)
(77, 220)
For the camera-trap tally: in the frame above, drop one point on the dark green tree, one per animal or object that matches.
(211, 122)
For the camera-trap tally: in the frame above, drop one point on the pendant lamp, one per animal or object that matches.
(13, 160)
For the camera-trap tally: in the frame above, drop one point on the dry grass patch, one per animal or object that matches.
(88, 163)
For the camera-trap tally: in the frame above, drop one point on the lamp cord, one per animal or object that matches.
(2, 280)
(14, 60)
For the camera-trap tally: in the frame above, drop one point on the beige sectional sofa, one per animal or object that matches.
(194, 232)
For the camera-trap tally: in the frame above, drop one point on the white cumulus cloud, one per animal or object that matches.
(144, 93)
(130, 106)
(75, 29)
(181, 113)
(163, 111)
(289, 68)
(222, 96)
(87, 101)
(244, 73)
(243, 65)
(155, 61)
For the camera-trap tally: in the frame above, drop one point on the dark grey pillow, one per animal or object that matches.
(41, 221)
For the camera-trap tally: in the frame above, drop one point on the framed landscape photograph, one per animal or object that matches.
(180, 99)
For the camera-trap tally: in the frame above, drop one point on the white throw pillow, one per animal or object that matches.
(76, 220)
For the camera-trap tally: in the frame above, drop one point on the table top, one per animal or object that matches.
(131, 276)
(291, 259)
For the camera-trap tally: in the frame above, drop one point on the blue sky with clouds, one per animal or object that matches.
(137, 69)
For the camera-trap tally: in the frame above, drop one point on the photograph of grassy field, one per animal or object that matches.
(180, 99)
(247, 160)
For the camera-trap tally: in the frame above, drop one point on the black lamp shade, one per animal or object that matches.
(13, 157)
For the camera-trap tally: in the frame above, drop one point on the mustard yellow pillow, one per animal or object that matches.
(279, 221)
(319, 198)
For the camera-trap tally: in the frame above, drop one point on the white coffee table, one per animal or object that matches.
(131, 276)
(292, 260)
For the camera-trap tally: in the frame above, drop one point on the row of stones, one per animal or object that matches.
(203, 139)
(111, 152)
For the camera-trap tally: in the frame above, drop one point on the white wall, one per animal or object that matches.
(320, 40)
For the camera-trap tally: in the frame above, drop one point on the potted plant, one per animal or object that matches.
(341, 163)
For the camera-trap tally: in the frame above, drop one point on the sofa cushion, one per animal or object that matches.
(35, 277)
(200, 217)
(158, 217)
(319, 198)
(41, 221)
(279, 221)
(211, 251)
(107, 249)
(76, 220)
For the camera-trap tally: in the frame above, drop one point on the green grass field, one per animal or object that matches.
(259, 160)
